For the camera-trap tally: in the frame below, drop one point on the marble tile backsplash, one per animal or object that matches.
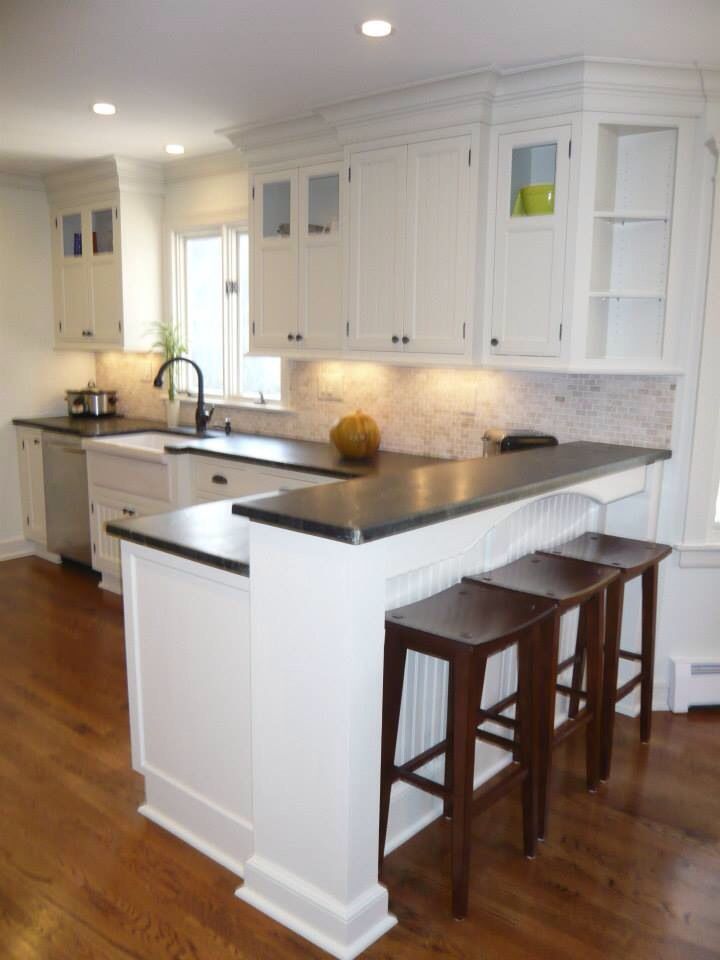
(434, 411)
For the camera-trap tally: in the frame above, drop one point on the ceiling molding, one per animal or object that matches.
(295, 138)
(207, 165)
(19, 181)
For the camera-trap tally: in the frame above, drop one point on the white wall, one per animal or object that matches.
(33, 377)
(204, 200)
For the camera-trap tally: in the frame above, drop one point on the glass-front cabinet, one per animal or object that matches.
(296, 298)
(533, 169)
(87, 277)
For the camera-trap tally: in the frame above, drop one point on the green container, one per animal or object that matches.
(535, 200)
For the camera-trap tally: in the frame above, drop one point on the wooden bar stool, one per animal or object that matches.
(465, 625)
(631, 558)
(570, 583)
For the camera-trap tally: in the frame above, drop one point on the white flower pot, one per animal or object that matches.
(173, 412)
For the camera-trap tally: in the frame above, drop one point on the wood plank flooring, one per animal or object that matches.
(633, 872)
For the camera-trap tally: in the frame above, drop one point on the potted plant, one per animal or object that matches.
(170, 344)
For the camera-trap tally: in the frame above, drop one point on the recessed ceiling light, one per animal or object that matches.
(104, 109)
(175, 149)
(376, 28)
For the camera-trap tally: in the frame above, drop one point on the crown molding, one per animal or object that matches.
(19, 181)
(294, 138)
(82, 181)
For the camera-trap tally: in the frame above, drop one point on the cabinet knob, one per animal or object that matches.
(128, 512)
(298, 337)
(291, 336)
(494, 342)
(396, 339)
(406, 339)
(219, 478)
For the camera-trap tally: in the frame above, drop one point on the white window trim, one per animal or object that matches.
(232, 399)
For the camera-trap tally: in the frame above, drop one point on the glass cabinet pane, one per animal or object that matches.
(276, 209)
(102, 231)
(532, 189)
(323, 204)
(72, 235)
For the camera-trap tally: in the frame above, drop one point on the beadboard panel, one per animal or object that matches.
(537, 525)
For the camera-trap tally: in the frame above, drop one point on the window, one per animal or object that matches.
(212, 310)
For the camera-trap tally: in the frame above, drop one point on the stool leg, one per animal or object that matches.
(547, 679)
(447, 802)
(649, 613)
(594, 654)
(393, 677)
(527, 739)
(579, 665)
(614, 607)
(467, 680)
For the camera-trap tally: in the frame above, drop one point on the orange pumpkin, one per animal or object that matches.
(356, 436)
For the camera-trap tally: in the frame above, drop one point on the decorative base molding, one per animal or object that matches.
(44, 554)
(16, 548)
(111, 583)
(343, 931)
(224, 838)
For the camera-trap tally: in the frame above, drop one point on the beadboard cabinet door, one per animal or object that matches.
(377, 234)
(274, 297)
(32, 483)
(530, 234)
(440, 248)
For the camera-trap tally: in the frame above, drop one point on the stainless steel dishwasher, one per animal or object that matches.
(66, 497)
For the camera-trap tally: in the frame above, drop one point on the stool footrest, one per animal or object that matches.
(423, 783)
(569, 726)
(496, 740)
(628, 687)
(562, 688)
(422, 758)
(490, 716)
(629, 655)
(569, 662)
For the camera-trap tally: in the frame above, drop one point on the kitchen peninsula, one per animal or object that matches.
(254, 634)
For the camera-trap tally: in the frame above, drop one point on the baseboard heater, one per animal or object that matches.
(694, 682)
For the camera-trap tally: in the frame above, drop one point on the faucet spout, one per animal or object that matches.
(202, 416)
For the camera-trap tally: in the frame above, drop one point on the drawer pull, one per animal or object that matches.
(127, 512)
(219, 478)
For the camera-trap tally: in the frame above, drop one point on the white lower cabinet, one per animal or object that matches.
(32, 486)
(106, 506)
(220, 479)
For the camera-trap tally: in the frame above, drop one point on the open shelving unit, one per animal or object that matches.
(631, 242)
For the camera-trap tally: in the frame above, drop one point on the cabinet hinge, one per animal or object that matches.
(560, 335)
(23, 444)
(56, 223)
(347, 329)
(92, 508)
(464, 325)
(231, 286)
(27, 519)
(116, 213)
(470, 157)
(94, 548)
(569, 148)
(253, 328)
(253, 193)
(60, 327)
(349, 174)
(119, 326)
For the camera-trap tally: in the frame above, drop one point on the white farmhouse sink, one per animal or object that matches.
(141, 446)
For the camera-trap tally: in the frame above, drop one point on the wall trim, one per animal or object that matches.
(698, 554)
(15, 548)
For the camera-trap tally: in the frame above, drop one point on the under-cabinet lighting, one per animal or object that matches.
(376, 28)
(104, 109)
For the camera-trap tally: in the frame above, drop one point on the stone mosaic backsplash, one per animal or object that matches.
(437, 412)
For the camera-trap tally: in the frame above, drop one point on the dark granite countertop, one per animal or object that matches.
(369, 508)
(305, 455)
(208, 533)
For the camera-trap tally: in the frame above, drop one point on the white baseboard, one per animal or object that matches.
(225, 838)
(111, 583)
(44, 554)
(15, 548)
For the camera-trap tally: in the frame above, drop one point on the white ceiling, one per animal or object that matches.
(179, 70)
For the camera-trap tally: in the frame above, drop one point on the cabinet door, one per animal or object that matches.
(320, 321)
(32, 486)
(530, 230)
(105, 288)
(376, 282)
(273, 295)
(106, 506)
(73, 318)
(439, 288)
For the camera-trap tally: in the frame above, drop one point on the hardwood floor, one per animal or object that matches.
(633, 872)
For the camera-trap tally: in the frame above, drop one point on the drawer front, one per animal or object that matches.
(139, 477)
(221, 479)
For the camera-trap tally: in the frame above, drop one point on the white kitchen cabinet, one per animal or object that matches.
(296, 299)
(32, 488)
(411, 259)
(214, 478)
(106, 254)
(106, 506)
(533, 172)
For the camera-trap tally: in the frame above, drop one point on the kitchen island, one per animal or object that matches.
(255, 658)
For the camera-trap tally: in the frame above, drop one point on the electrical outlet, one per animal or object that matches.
(330, 383)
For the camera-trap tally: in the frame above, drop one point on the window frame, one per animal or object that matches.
(228, 231)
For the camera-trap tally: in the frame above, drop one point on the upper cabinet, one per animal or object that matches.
(296, 297)
(543, 219)
(107, 255)
(529, 249)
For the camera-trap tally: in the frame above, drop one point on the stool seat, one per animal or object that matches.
(474, 615)
(567, 581)
(631, 557)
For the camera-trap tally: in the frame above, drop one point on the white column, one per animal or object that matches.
(317, 629)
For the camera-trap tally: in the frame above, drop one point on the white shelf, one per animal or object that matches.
(632, 216)
(626, 295)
